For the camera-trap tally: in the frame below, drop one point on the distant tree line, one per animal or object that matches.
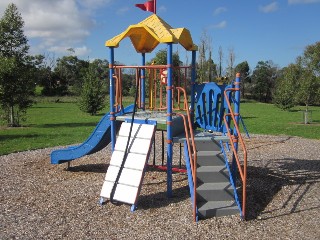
(21, 73)
(296, 84)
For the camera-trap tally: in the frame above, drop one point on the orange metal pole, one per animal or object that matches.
(193, 160)
(243, 172)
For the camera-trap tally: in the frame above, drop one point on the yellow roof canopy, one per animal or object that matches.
(146, 35)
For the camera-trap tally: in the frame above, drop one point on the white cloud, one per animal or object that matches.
(220, 25)
(272, 7)
(94, 4)
(291, 2)
(219, 10)
(78, 51)
(57, 24)
(123, 10)
(161, 8)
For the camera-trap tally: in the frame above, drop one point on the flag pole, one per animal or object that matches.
(155, 6)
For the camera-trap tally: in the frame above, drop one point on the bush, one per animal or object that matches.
(93, 93)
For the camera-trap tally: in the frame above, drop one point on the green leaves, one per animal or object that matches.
(286, 84)
(93, 92)
(300, 82)
(16, 83)
(13, 42)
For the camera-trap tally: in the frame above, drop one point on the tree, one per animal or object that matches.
(230, 61)
(206, 68)
(263, 79)
(201, 71)
(47, 78)
(16, 80)
(161, 58)
(93, 91)
(70, 71)
(286, 86)
(102, 70)
(308, 85)
(220, 53)
(309, 82)
(244, 70)
(311, 58)
(211, 68)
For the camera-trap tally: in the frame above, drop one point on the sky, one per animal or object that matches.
(255, 30)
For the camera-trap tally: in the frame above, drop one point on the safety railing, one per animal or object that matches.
(156, 83)
(192, 151)
(236, 138)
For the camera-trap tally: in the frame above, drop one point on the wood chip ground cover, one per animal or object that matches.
(43, 201)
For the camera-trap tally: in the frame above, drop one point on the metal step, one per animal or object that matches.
(217, 209)
(205, 160)
(211, 174)
(207, 146)
(208, 153)
(215, 195)
(221, 191)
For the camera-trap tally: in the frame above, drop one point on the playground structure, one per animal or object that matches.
(203, 117)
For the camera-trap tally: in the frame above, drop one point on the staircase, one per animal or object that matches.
(215, 195)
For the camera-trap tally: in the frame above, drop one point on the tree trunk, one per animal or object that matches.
(11, 116)
(306, 115)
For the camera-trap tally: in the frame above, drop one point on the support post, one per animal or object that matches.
(169, 121)
(237, 98)
(143, 82)
(112, 99)
(236, 112)
(193, 82)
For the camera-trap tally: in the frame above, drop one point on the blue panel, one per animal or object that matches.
(210, 106)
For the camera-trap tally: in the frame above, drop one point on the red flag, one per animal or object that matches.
(148, 6)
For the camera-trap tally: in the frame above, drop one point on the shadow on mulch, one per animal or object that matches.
(263, 183)
(96, 168)
(150, 201)
(160, 199)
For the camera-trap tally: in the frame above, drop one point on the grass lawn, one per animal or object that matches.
(50, 123)
(267, 119)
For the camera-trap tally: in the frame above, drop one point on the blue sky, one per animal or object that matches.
(255, 30)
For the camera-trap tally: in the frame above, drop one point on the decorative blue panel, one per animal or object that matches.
(210, 106)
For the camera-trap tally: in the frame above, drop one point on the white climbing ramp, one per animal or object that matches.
(129, 184)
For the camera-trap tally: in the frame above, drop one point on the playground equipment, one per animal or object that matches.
(203, 117)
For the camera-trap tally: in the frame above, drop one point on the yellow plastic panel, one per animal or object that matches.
(146, 35)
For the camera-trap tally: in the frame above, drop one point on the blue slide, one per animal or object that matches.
(99, 139)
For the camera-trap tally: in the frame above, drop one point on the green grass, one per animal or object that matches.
(267, 119)
(51, 123)
(48, 124)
